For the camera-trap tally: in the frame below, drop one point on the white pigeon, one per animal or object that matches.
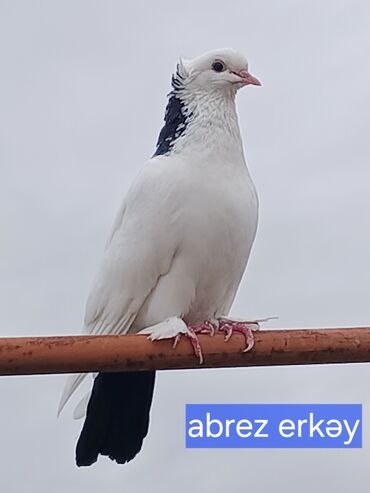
(178, 248)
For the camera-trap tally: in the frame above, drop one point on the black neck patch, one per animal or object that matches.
(175, 118)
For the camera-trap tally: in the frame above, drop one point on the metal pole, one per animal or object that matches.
(72, 354)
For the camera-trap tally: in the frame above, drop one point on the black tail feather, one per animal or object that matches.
(117, 417)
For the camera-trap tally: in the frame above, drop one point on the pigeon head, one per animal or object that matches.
(203, 93)
(225, 68)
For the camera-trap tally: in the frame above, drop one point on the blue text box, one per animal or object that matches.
(273, 425)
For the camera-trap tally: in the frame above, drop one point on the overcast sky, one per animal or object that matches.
(82, 93)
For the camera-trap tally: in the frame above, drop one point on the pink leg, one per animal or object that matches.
(229, 327)
(206, 327)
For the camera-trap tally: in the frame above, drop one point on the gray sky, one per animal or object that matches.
(82, 97)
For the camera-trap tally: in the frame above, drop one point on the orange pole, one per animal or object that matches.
(72, 354)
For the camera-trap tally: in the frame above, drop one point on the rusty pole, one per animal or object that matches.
(70, 354)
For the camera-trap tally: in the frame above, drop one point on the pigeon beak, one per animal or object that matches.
(248, 78)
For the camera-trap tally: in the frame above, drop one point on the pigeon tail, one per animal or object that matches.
(117, 417)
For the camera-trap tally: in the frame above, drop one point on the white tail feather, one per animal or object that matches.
(81, 408)
(71, 385)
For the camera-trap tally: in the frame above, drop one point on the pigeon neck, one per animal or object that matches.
(202, 121)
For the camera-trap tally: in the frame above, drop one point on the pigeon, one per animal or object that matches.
(177, 250)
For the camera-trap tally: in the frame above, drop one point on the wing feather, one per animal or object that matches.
(139, 251)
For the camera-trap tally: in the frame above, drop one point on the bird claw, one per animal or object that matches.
(192, 336)
(206, 327)
(229, 327)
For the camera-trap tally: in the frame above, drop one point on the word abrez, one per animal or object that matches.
(215, 428)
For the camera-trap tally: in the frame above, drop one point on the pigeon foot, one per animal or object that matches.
(230, 326)
(175, 328)
(206, 327)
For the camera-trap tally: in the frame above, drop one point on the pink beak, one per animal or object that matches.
(248, 78)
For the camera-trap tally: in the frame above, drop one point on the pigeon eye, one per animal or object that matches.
(218, 66)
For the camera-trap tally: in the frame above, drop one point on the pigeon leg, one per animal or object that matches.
(230, 327)
(206, 327)
(174, 328)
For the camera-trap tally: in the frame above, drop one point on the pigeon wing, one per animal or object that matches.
(139, 251)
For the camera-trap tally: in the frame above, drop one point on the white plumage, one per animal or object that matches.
(182, 238)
